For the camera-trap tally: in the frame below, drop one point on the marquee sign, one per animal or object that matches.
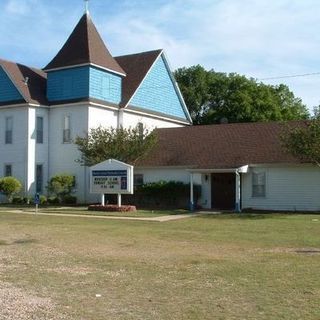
(111, 177)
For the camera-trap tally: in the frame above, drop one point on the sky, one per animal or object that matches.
(256, 38)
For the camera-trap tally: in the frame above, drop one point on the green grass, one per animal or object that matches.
(208, 267)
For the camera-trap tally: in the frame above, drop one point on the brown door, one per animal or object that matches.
(223, 191)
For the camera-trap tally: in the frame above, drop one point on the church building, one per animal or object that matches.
(82, 87)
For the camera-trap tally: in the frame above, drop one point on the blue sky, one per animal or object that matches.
(257, 38)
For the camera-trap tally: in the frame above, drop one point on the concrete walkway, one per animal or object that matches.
(155, 219)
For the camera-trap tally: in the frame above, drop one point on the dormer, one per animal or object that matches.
(84, 68)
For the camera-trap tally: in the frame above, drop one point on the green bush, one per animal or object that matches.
(163, 194)
(53, 200)
(68, 199)
(61, 185)
(43, 200)
(10, 186)
(18, 200)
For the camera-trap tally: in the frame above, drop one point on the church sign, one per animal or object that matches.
(111, 177)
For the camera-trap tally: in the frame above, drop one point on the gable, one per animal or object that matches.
(159, 94)
(8, 91)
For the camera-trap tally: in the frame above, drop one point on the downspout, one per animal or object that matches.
(238, 192)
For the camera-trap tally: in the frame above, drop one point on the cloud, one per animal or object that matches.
(258, 38)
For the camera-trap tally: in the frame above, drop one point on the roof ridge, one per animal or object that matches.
(139, 53)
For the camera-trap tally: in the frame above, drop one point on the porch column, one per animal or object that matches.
(238, 192)
(191, 193)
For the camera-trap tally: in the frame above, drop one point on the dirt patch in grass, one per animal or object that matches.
(17, 304)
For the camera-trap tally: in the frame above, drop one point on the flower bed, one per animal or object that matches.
(112, 208)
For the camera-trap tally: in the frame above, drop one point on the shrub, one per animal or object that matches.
(112, 208)
(18, 200)
(163, 194)
(68, 199)
(53, 200)
(61, 185)
(10, 186)
(43, 200)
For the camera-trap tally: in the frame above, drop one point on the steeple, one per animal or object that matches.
(85, 47)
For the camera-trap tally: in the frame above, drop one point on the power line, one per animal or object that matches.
(291, 76)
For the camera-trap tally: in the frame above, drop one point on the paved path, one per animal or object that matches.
(156, 219)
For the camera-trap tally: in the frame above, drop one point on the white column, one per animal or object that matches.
(102, 200)
(238, 192)
(119, 199)
(191, 193)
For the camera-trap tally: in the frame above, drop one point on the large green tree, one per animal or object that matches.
(127, 145)
(303, 140)
(213, 97)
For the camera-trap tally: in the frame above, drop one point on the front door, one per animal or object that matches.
(223, 194)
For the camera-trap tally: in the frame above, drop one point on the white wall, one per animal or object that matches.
(15, 154)
(287, 188)
(131, 120)
(63, 156)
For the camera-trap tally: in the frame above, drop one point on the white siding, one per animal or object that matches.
(15, 153)
(131, 120)
(287, 188)
(63, 156)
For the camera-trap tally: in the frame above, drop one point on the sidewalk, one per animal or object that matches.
(155, 219)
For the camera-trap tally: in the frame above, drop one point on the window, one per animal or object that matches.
(66, 130)
(138, 180)
(39, 178)
(39, 126)
(258, 184)
(9, 129)
(8, 170)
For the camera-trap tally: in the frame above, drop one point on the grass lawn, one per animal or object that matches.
(207, 267)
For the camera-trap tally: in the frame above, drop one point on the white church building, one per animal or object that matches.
(41, 112)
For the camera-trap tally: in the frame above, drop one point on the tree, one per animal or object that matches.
(10, 186)
(127, 145)
(303, 141)
(61, 185)
(213, 97)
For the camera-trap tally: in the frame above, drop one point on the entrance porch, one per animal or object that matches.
(221, 188)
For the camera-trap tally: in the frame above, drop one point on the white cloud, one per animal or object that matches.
(258, 38)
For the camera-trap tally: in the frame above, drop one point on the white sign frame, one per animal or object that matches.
(111, 177)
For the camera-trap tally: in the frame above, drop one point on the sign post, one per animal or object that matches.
(111, 177)
(37, 201)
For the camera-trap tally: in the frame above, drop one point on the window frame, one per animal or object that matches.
(8, 131)
(66, 131)
(39, 129)
(6, 166)
(39, 190)
(259, 189)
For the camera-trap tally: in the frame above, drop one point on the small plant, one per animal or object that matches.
(112, 208)
(10, 186)
(68, 199)
(53, 200)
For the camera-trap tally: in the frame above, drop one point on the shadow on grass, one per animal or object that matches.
(24, 241)
(233, 216)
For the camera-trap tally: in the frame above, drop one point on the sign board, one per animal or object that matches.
(111, 177)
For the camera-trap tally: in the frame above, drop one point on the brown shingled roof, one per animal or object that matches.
(35, 90)
(136, 66)
(84, 46)
(219, 146)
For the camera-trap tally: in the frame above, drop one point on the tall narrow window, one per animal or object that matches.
(258, 184)
(140, 129)
(9, 129)
(8, 170)
(39, 178)
(39, 126)
(66, 130)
